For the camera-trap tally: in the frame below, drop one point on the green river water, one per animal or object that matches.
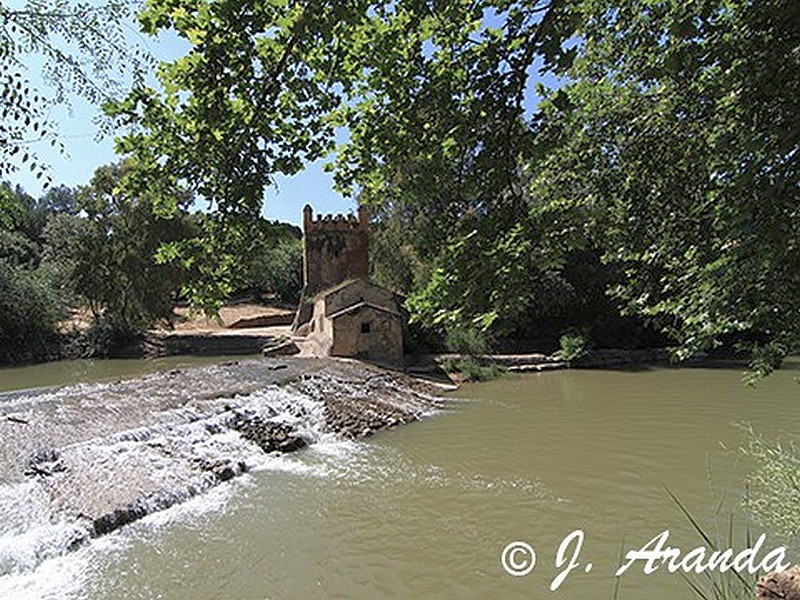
(425, 510)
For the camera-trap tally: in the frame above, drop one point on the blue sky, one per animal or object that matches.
(85, 152)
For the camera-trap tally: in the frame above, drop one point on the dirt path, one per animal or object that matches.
(230, 317)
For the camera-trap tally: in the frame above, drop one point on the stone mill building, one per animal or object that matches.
(342, 313)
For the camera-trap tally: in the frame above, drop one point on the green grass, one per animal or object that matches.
(712, 584)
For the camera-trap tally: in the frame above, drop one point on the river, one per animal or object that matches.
(425, 510)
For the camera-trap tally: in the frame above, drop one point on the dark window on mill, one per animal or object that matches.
(365, 328)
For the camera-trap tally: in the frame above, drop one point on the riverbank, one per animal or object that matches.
(247, 328)
(537, 362)
(240, 328)
(99, 456)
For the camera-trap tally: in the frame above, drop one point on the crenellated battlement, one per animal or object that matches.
(335, 248)
(314, 224)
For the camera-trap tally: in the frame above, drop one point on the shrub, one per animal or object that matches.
(29, 310)
(109, 336)
(466, 340)
(774, 498)
(471, 369)
(573, 347)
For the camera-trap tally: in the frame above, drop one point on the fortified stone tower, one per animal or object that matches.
(335, 249)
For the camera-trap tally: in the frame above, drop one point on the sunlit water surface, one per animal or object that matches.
(424, 511)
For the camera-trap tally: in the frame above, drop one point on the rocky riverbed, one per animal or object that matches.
(95, 457)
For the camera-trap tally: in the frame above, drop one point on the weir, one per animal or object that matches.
(81, 461)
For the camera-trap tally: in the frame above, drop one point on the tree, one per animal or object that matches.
(84, 51)
(63, 239)
(29, 310)
(59, 199)
(669, 148)
(265, 84)
(273, 265)
(675, 146)
(29, 304)
(399, 247)
(41, 235)
(116, 270)
(21, 227)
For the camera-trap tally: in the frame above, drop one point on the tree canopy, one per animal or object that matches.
(667, 148)
(676, 142)
(30, 303)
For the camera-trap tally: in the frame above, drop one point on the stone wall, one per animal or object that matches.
(208, 344)
(369, 333)
(335, 249)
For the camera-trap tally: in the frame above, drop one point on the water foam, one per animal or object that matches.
(38, 536)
